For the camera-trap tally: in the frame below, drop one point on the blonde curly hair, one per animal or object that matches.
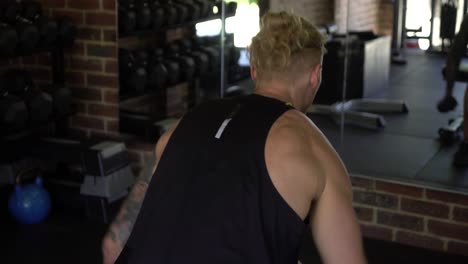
(286, 46)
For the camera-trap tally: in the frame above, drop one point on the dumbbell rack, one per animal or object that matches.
(144, 121)
(17, 143)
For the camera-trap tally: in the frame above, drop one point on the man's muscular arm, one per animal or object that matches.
(121, 228)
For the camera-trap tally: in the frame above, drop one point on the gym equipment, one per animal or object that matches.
(205, 8)
(143, 14)
(134, 74)
(62, 100)
(212, 53)
(28, 34)
(182, 11)
(173, 70)
(127, 17)
(29, 204)
(8, 40)
(158, 14)
(201, 59)
(399, 32)
(187, 64)
(172, 15)
(359, 112)
(452, 132)
(48, 28)
(67, 31)
(448, 20)
(157, 71)
(39, 104)
(13, 111)
(231, 8)
(193, 10)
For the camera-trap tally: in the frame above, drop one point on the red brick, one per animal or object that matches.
(84, 4)
(76, 16)
(112, 66)
(112, 125)
(460, 214)
(447, 197)
(89, 34)
(87, 122)
(87, 94)
(100, 19)
(111, 96)
(375, 199)
(53, 3)
(42, 74)
(103, 81)
(81, 108)
(450, 230)
(362, 183)
(77, 49)
(108, 4)
(400, 220)
(103, 110)
(75, 78)
(102, 51)
(418, 240)
(458, 248)
(377, 232)
(110, 35)
(399, 189)
(425, 208)
(364, 214)
(86, 64)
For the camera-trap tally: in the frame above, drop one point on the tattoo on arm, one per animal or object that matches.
(122, 226)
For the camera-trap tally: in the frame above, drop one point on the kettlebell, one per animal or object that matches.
(30, 203)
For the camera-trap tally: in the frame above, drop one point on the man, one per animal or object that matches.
(448, 102)
(236, 179)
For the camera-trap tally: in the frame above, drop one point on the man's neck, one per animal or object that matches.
(276, 91)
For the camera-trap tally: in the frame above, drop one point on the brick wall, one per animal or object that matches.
(319, 12)
(415, 216)
(91, 67)
(365, 15)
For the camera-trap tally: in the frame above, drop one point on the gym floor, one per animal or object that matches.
(407, 149)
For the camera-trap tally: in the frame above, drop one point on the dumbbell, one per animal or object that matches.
(62, 99)
(13, 111)
(231, 8)
(182, 11)
(67, 31)
(192, 8)
(28, 34)
(201, 59)
(143, 14)
(48, 28)
(157, 71)
(127, 17)
(187, 64)
(39, 104)
(171, 13)
(134, 74)
(212, 53)
(206, 9)
(158, 15)
(8, 40)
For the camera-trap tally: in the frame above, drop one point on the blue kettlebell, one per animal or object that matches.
(29, 204)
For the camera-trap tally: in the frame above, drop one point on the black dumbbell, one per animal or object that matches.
(212, 53)
(192, 8)
(62, 99)
(39, 104)
(231, 8)
(181, 10)
(143, 14)
(206, 9)
(133, 73)
(201, 59)
(158, 15)
(127, 17)
(28, 34)
(157, 71)
(67, 31)
(13, 111)
(8, 40)
(48, 28)
(187, 64)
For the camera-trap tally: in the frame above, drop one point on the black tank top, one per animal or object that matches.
(211, 199)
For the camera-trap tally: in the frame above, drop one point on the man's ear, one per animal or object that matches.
(315, 75)
(253, 73)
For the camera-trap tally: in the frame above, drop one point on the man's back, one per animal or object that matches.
(220, 204)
